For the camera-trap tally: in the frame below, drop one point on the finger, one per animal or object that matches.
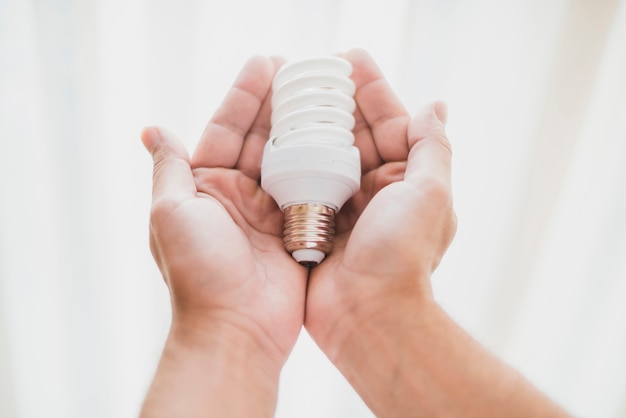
(221, 142)
(252, 151)
(385, 115)
(430, 156)
(172, 178)
(371, 183)
(364, 141)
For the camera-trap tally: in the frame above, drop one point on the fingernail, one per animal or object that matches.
(441, 111)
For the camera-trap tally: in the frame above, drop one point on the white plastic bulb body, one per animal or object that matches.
(310, 164)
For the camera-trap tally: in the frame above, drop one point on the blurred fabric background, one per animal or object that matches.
(537, 119)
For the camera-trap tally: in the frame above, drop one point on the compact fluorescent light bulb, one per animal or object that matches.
(310, 166)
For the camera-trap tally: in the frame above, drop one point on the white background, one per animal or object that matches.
(537, 120)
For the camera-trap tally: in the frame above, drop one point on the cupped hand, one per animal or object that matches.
(215, 234)
(392, 234)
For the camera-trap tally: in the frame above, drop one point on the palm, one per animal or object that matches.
(216, 234)
(368, 226)
(393, 233)
(244, 266)
(368, 221)
(232, 220)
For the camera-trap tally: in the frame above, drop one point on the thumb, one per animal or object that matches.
(172, 178)
(430, 152)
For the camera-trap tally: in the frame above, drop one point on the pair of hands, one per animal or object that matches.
(217, 236)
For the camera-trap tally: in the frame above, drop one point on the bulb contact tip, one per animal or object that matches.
(309, 232)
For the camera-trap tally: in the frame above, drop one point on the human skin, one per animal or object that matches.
(370, 305)
(237, 297)
(239, 300)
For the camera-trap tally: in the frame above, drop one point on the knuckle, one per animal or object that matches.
(436, 190)
(441, 139)
(389, 173)
(162, 210)
(437, 193)
(453, 224)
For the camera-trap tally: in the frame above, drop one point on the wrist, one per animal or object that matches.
(362, 307)
(218, 368)
(412, 357)
(227, 333)
(375, 350)
(387, 320)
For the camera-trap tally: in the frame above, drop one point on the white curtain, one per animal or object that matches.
(537, 98)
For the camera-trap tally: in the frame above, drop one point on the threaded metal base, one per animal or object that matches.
(309, 227)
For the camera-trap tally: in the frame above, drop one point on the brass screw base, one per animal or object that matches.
(309, 227)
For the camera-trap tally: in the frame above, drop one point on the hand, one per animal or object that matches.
(216, 236)
(393, 232)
